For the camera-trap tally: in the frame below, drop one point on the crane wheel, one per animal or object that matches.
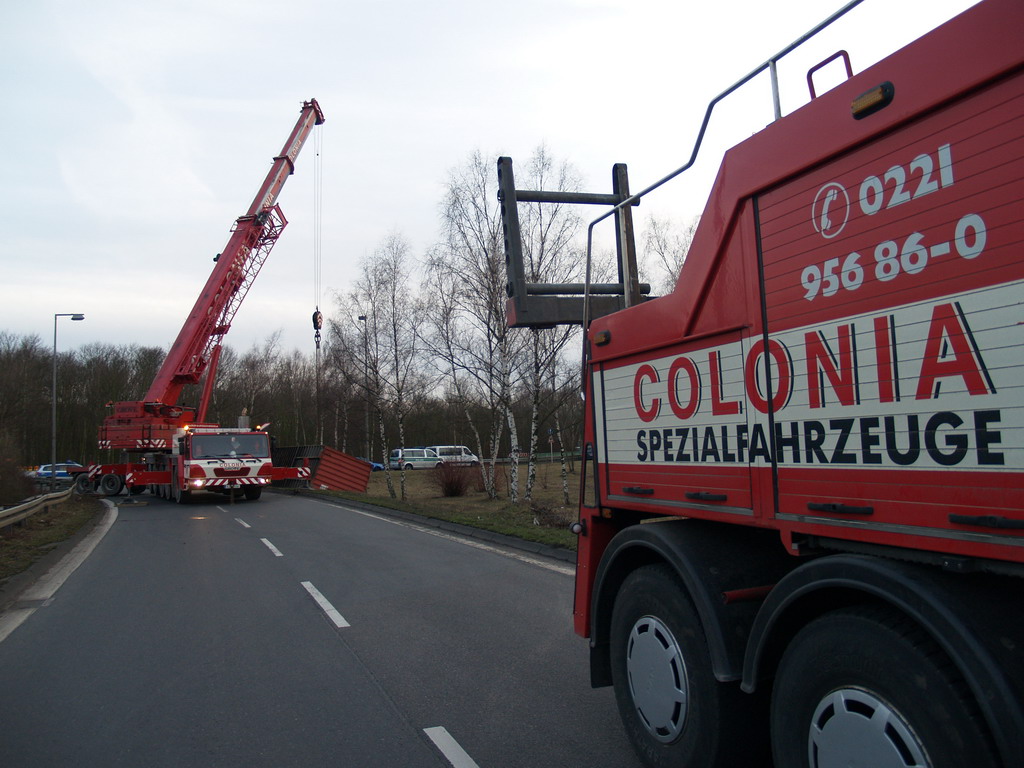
(83, 484)
(111, 484)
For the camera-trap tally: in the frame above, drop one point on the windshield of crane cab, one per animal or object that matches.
(230, 446)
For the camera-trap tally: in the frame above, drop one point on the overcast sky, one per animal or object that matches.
(135, 133)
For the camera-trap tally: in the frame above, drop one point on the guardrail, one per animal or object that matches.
(27, 509)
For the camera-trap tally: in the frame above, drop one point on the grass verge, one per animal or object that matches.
(544, 519)
(23, 543)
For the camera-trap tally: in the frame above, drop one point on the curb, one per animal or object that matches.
(491, 537)
(35, 587)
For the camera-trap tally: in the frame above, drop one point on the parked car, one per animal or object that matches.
(455, 454)
(56, 471)
(375, 466)
(414, 458)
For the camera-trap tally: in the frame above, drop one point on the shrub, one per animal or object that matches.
(14, 486)
(452, 480)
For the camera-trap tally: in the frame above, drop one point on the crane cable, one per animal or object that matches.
(318, 318)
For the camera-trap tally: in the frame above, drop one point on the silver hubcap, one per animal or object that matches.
(854, 729)
(657, 678)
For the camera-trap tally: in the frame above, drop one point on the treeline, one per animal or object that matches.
(264, 382)
(416, 351)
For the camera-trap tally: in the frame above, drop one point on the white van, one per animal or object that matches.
(455, 454)
(414, 458)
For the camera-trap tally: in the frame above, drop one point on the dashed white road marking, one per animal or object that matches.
(242, 522)
(330, 610)
(272, 548)
(450, 748)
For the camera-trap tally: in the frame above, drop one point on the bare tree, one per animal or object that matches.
(666, 244)
(448, 343)
(552, 254)
(24, 391)
(347, 364)
(391, 351)
(398, 321)
(466, 275)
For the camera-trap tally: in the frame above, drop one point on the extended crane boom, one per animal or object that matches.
(253, 236)
(150, 423)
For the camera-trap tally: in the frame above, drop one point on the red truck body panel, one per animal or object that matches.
(841, 356)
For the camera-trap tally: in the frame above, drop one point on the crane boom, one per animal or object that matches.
(253, 235)
(148, 424)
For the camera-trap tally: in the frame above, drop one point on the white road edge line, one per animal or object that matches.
(450, 748)
(330, 610)
(565, 570)
(46, 587)
(242, 522)
(271, 547)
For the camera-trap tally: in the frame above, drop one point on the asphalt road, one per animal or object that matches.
(297, 632)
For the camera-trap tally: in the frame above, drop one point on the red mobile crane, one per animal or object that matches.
(802, 502)
(180, 453)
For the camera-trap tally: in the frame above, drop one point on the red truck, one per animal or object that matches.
(177, 451)
(801, 529)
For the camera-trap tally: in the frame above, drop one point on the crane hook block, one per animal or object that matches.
(318, 320)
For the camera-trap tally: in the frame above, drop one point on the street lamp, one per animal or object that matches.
(53, 398)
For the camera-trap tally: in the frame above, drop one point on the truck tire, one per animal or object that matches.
(253, 492)
(865, 686)
(111, 485)
(673, 709)
(180, 496)
(83, 484)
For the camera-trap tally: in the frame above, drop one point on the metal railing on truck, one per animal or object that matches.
(542, 305)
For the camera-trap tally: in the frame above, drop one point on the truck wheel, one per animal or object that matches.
(252, 493)
(111, 484)
(865, 686)
(83, 484)
(180, 496)
(673, 709)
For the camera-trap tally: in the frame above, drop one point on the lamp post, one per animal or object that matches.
(53, 398)
(366, 385)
